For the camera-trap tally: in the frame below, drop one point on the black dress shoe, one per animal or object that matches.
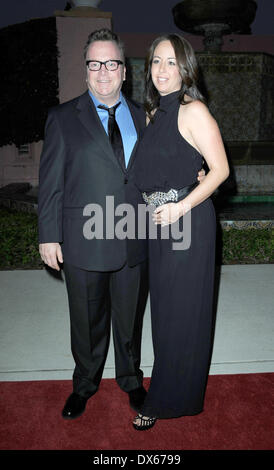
(74, 407)
(137, 398)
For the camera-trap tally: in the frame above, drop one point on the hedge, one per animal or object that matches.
(19, 243)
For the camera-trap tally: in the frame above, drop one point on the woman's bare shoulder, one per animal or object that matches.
(196, 113)
(195, 107)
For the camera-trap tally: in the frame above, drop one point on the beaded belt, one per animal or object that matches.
(173, 195)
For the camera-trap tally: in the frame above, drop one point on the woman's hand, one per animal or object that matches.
(169, 213)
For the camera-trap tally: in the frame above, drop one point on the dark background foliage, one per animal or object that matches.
(29, 79)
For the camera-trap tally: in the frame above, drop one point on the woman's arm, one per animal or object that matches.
(206, 137)
(203, 133)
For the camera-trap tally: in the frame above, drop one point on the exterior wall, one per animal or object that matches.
(253, 179)
(17, 168)
(72, 33)
(238, 85)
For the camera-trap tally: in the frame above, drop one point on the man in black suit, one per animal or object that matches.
(105, 276)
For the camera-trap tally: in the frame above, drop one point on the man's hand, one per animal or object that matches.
(51, 253)
(201, 175)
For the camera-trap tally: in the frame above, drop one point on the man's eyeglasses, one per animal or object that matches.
(95, 65)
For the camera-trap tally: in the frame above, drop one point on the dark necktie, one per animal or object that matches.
(114, 134)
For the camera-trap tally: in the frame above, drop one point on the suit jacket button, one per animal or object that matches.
(125, 180)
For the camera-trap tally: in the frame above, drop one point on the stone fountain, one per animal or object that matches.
(214, 18)
(85, 3)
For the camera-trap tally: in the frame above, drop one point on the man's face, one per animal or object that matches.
(105, 85)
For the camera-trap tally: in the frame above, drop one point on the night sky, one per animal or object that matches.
(128, 15)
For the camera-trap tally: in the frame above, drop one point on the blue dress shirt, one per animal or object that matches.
(124, 121)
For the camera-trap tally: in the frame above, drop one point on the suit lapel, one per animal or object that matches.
(133, 111)
(88, 116)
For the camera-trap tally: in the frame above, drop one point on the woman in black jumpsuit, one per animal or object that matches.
(181, 280)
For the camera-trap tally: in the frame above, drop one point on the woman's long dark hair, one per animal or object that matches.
(188, 69)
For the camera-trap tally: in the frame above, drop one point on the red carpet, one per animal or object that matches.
(237, 415)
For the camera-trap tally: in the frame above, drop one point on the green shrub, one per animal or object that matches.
(247, 246)
(18, 240)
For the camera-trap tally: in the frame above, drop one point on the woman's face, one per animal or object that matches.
(164, 69)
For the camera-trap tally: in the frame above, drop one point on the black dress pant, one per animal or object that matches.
(95, 300)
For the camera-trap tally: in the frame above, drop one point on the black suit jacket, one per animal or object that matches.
(77, 168)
